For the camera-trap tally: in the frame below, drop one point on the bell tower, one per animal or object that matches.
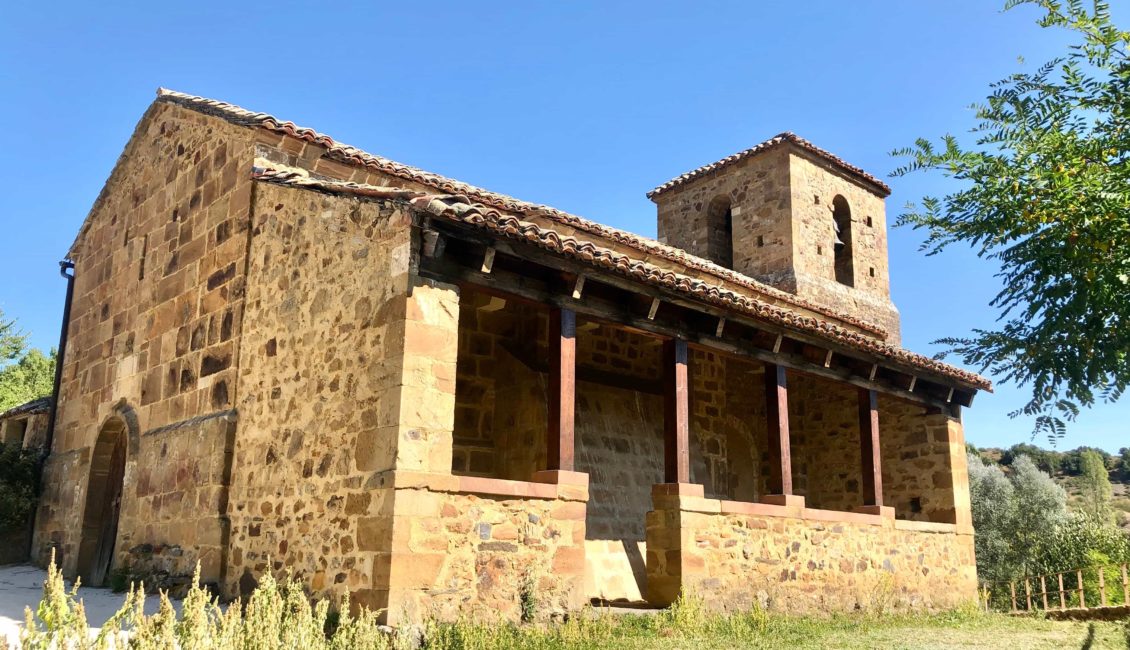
(791, 215)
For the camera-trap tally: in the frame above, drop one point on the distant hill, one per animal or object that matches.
(1064, 467)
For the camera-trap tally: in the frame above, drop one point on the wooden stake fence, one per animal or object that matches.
(1036, 600)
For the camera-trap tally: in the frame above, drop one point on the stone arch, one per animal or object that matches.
(841, 218)
(104, 490)
(128, 414)
(720, 232)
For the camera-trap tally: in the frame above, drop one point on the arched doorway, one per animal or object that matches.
(103, 503)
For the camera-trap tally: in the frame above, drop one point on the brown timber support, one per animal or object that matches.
(1082, 597)
(1125, 587)
(869, 448)
(777, 414)
(1012, 590)
(676, 409)
(562, 388)
(1044, 591)
(1062, 592)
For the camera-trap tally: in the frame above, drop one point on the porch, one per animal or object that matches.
(712, 446)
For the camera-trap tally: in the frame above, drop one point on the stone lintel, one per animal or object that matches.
(678, 489)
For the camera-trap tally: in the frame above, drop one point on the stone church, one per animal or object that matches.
(285, 352)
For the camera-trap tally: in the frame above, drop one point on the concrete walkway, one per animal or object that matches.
(21, 586)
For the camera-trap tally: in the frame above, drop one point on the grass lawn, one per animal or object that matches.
(690, 630)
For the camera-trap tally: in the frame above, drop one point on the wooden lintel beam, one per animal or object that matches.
(544, 258)
(514, 286)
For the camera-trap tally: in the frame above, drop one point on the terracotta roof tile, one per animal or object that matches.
(37, 405)
(462, 209)
(775, 141)
(354, 156)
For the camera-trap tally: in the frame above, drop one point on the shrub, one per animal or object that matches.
(19, 486)
(277, 615)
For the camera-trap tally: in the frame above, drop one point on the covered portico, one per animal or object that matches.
(742, 446)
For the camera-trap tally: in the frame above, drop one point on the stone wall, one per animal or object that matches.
(183, 473)
(157, 308)
(824, 432)
(783, 234)
(319, 390)
(918, 467)
(815, 185)
(736, 556)
(469, 552)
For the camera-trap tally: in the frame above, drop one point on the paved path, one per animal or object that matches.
(21, 586)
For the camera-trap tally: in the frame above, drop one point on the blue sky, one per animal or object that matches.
(584, 106)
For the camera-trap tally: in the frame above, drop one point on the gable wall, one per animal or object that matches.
(154, 339)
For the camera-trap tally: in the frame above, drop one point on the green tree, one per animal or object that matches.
(12, 341)
(1013, 516)
(31, 377)
(1043, 188)
(1094, 483)
(1124, 462)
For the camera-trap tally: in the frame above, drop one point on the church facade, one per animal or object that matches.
(285, 352)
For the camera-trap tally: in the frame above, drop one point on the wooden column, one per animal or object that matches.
(562, 388)
(676, 409)
(869, 448)
(777, 414)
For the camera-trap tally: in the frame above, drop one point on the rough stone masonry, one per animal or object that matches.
(288, 354)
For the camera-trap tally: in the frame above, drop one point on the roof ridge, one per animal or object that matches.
(781, 138)
(355, 156)
(459, 208)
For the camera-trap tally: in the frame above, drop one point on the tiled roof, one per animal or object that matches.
(775, 141)
(37, 405)
(464, 210)
(354, 156)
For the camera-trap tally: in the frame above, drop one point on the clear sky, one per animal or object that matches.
(581, 105)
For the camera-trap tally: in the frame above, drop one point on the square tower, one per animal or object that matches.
(793, 216)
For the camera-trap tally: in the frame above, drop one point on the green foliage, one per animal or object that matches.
(1044, 189)
(19, 485)
(1013, 516)
(280, 616)
(1095, 485)
(31, 377)
(12, 341)
(1071, 545)
(276, 616)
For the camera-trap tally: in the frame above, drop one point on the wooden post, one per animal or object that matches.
(777, 414)
(1082, 597)
(1012, 590)
(1044, 592)
(1102, 585)
(1028, 592)
(562, 388)
(1062, 593)
(869, 448)
(676, 409)
(1125, 587)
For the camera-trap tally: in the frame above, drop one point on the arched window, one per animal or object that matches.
(841, 217)
(720, 232)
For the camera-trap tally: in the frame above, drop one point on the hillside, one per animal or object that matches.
(1064, 467)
